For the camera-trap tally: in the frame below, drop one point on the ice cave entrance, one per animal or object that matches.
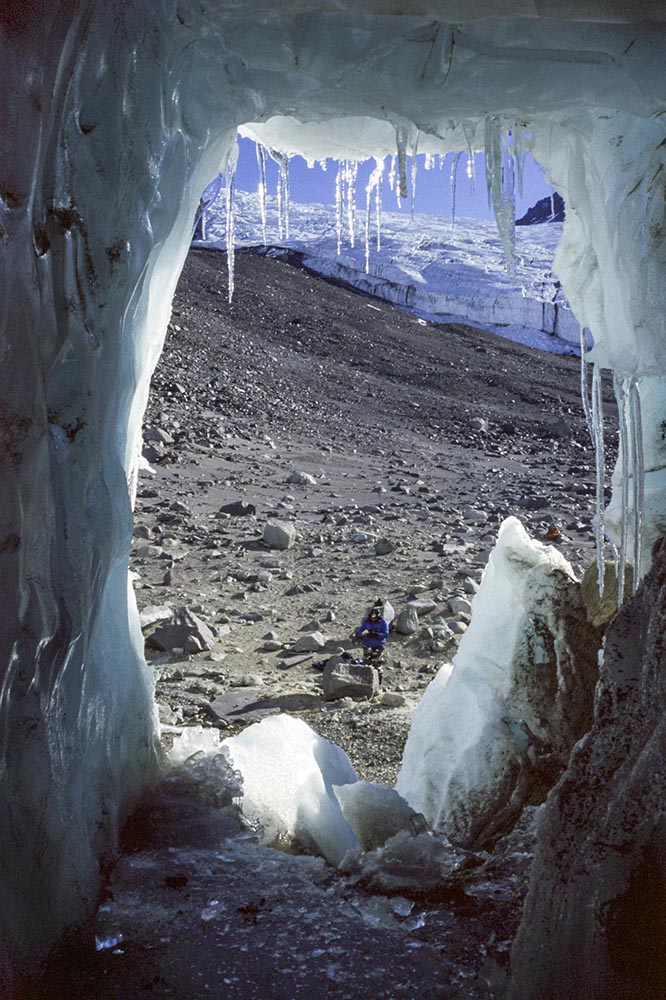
(135, 110)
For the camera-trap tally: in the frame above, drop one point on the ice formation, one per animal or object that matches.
(494, 731)
(118, 116)
(289, 778)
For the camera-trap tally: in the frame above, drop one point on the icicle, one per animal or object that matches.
(638, 464)
(500, 178)
(552, 207)
(621, 395)
(391, 174)
(338, 203)
(378, 208)
(415, 147)
(282, 161)
(454, 183)
(230, 181)
(351, 171)
(429, 161)
(261, 163)
(597, 422)
(401, 136)
(471, 162)
(584, 384)
(373, 187)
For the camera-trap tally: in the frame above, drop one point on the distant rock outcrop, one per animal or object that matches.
(549, 209)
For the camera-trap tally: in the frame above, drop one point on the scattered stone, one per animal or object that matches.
(469, 585)
(279, 535)
(313, 642)
(301, 478)
(272, 646)
(241, 704)
(238, 508)
(344, 679)
(247, 681)
(460, 605)
(154, 613)
(383, 546)
(422, 605)
(407, 621)
(293, 661)
(391, 699)
(175, 634)
(472, 515)
(158, 435)
(458, 628)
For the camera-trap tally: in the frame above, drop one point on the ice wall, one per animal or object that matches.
(494, 730)
(594, 919)
(114, 118)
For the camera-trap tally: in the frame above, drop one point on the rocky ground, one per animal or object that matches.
(370, 431)
(410, 443)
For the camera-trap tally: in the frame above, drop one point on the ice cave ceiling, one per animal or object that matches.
(115, 116)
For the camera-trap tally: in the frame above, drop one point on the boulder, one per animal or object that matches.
(184, 626)
(344, 679)
(238, 508)
(407, 621)
(310, 643)
(279, 534)
(301, 478)
(460, 605)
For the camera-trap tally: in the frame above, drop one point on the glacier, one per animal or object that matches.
(114, 120)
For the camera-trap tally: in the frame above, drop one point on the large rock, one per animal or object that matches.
(310, 643)
(279, 534)
(184, 631)
(298, 478)
(407, 621)
(344, 679)
(594, 922)
(238, 508)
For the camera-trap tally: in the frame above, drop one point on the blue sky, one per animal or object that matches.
(433, 187)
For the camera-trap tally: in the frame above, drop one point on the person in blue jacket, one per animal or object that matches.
(373, 633)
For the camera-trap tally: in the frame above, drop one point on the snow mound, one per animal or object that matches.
(289, 773)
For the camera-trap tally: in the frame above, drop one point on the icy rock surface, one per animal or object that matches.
(120, 115)
(289, 774)
(594, 916)
(494, 731)
(374, 812)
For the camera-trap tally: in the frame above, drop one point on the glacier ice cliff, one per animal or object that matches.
(114, 119)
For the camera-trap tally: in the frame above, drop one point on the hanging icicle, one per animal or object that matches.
(624, 417)
(230, 241)
(339, 180)
(597, 421)
(415, 146)
(401, 137)
(638, 464)
(282, 162)
(392, 173)
(373, 187)
(261, 163)
(350, 174)
(471, 161)
(500, 178)
(584, 380)
(454, 185)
